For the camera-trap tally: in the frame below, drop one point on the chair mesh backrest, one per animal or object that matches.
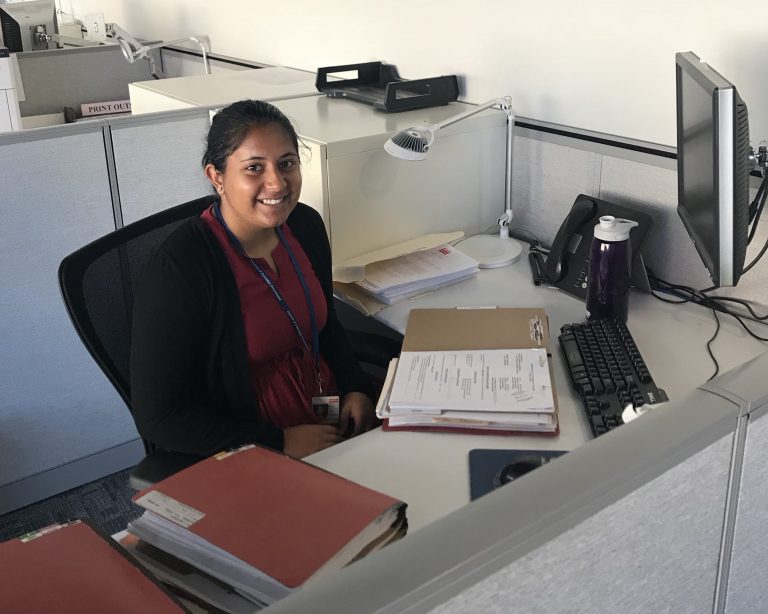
(97, 283)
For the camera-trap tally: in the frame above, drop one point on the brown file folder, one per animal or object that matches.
(485, 328)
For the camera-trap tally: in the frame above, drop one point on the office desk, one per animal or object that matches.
(429, 471)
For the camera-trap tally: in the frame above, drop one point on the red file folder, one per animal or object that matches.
(72, 568)
(281, 516)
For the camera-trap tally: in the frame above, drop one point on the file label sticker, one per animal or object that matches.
(170, 509)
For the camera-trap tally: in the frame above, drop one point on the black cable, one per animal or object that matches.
(519, 233)
(754, 207)
(686, 294)
(754, 262)
(750, 332)
(534, 242)
(745, 304)
(709, 347)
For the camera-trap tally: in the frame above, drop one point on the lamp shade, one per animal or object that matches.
(410, 144)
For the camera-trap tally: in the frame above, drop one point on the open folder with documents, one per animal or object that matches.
(265, 523)
(487, 370)
(411, 274)
(376, 279)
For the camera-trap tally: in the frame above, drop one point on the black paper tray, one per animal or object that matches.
(379, 85)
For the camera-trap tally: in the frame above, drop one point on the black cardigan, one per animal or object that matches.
(190, 387)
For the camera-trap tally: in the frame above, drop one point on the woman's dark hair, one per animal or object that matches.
(231, 125)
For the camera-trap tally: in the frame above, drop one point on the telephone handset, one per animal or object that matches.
(568, 261)
(571, 230)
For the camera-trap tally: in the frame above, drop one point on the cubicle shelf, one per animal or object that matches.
(218, 89)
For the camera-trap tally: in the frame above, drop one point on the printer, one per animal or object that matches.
(10, 118)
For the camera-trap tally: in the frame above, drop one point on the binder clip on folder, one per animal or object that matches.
(379, 85)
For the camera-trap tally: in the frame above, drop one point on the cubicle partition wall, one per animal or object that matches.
(58, 78)
(746, 589)
(554, 165)
(157, 160)
(61, 422)
(639, 520)
(184, 62)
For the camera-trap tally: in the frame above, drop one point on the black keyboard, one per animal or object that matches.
(607, 371)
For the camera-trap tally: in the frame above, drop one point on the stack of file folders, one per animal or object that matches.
(408, 275)
(263, 523)
(74, 567)
(480, 370)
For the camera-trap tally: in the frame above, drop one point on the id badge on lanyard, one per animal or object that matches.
(326, 408)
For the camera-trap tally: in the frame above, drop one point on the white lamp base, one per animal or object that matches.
(491, 251)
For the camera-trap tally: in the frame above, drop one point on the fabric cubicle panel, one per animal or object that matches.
(747, 579)
(630, 522)
(56, 407)
(655, 550)
(157, 159)
(59, 78)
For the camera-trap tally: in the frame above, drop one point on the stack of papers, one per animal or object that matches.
(411, 274)
(482, 369)
(506, 390)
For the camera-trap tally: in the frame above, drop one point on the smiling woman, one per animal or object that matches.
(235, 337)
(259, 188)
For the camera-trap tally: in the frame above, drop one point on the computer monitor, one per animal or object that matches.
(712, 167)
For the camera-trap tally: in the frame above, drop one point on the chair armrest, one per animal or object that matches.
(158, 465)
(373, 349)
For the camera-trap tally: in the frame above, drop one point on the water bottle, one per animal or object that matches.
(610, 265)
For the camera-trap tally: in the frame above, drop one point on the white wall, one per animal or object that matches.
(596, 64)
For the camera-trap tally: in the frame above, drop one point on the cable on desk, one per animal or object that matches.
(686, 294)
(516, 233)
(709, 347)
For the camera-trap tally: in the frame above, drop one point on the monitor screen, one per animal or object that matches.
(712, 167)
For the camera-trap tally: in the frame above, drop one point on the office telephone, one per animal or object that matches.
(567, 263)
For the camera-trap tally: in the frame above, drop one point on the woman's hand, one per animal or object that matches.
(300, 441)
(357, 407)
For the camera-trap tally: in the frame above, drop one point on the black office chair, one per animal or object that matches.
(97, 282)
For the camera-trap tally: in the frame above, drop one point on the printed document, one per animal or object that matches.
(479, 380)
(410, 274)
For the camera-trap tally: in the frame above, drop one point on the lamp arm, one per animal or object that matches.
(202, 41)
(505, 104)
(118, 33)
(506, 219)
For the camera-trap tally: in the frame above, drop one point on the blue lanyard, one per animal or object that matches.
(280, 300)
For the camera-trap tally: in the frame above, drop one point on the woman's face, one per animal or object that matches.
(260, 185)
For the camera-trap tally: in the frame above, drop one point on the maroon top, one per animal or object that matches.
(282, 370)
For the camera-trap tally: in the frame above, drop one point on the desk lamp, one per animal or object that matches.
(135, 50)
(414, 143)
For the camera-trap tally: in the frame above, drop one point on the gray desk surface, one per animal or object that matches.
(429, 471)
